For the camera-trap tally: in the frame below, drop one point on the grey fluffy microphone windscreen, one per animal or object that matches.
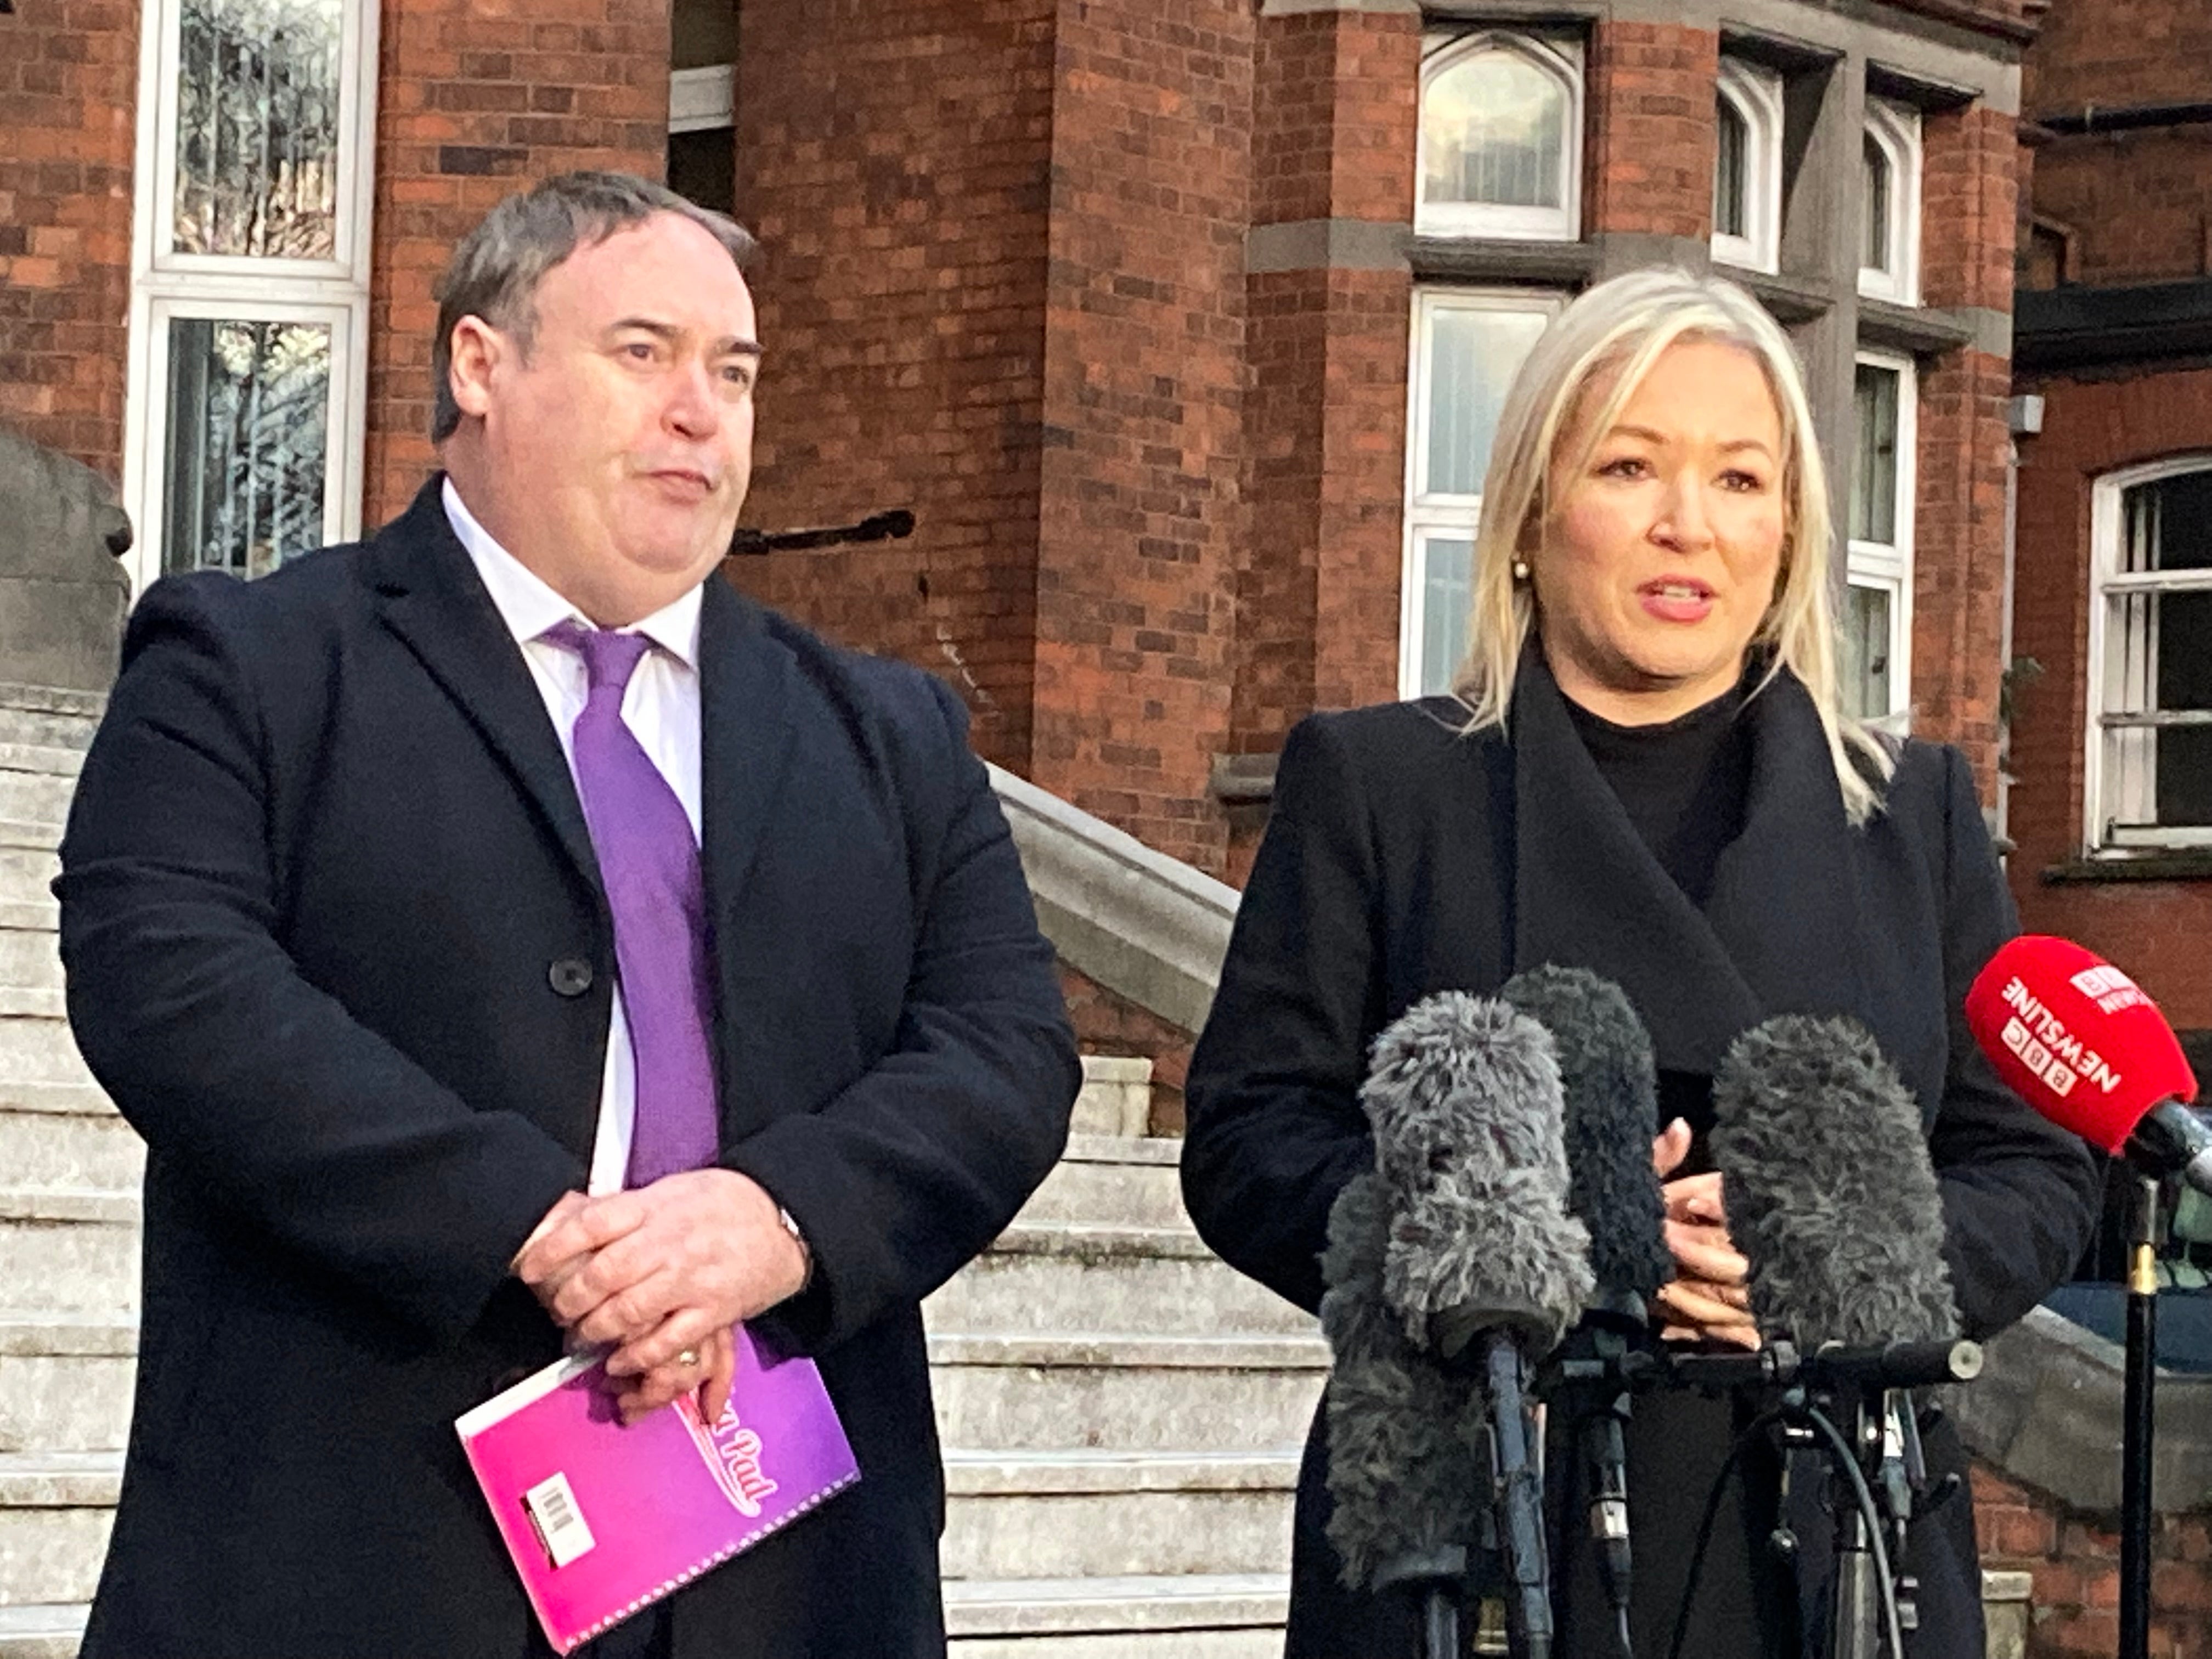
(1828, 1188)
(1461, 1225)
(1610, 1081)
(1463, 1094)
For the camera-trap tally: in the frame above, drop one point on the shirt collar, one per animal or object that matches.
(529, 606)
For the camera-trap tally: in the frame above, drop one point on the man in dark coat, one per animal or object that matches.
(447, 1040)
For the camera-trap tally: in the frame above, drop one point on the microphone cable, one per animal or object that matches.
(1839, 1452)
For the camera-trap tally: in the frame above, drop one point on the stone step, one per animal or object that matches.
(1043, 1278)
(1077, 1515)
(25, 873)
(38, 1049)
(49, 716)
(1125, 1392)
(1116, 1097)
(30, 956)
(39, 796)
(42, 1631)
(1029, 1609)
(68, 1249)
(1113, 1180)
(79, 1099)
(55, 1510)
(68, 1149)
(65, 1381)
(1140, 1644)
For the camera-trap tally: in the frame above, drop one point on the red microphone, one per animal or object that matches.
(2078, 1040)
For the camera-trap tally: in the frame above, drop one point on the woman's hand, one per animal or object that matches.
(1710, 1298)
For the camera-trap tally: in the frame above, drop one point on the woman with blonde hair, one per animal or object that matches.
(1644, 771)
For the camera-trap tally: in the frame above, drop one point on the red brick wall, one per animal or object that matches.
(2075, 1564)
(475, 102)
(2156, 929)
(1652, 132)
(1318, 581)
(1107, 1023)
(901, 290)
(2138, 205)
(69, 95)
(1141, 515)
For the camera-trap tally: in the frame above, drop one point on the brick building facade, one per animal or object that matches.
(1178, 325)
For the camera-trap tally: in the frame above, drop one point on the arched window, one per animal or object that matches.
(1889, 203)
(1731, 171)
(1501, 138)
(1748, 166)
(2149, 751)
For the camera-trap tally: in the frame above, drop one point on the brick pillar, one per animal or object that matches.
(471, 107)
(1139, 513)
(1336, 108)
(1969, 206)
(901, 294)
(1652, 133)
(69, 95)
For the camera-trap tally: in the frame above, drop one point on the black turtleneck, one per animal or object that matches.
(1683, 784)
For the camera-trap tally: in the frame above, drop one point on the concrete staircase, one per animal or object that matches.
(1120, 1412)
(1122, 1415)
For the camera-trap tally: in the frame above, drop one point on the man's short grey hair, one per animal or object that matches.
(497, 267)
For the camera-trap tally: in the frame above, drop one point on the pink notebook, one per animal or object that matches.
(603, 1521)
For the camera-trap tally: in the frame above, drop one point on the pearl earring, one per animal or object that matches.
(1520, 570)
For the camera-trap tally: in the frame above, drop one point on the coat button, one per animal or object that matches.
(569, 977)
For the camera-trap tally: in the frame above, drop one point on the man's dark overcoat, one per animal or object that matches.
(337, 945)
(1403, 858)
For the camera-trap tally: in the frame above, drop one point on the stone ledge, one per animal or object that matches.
(1143, 925)
(2046, 1412)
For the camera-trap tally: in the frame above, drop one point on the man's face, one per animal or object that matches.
(616, 450)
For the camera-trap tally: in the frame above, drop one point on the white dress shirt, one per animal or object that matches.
(661, 709)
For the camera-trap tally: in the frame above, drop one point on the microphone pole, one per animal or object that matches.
(2139, 1425)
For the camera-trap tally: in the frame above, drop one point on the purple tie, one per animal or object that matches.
(650, 865)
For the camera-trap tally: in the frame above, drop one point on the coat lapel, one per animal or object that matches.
(746, 738)
(1784, 900)
(1778, 935)
(1588, 893)
(434, 602)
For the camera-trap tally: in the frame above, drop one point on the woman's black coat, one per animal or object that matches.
(1404, 858)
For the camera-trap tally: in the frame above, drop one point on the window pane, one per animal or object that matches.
(258, 128)
(1873, 472)
(1732, 173)
(1447, 599)
(2185, 681)
(1473, 357)
(1866, 653)
(2168, 525)
(1495, 126)
(1874, 251)
(248, 413)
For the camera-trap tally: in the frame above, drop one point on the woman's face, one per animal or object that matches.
(1663, 551)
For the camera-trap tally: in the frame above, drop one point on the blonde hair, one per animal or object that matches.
(1622, 327)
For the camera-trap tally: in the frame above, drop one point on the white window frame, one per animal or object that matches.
(1426, 515)
(165, 284)
(1561, 60)
(1754, 91)
(1888, 567)
(1895, 130)
(2106, 527)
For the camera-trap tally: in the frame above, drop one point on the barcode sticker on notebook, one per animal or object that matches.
(560, 1523)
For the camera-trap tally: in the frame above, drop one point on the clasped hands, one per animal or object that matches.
(1710, 1298)
(662, 1272)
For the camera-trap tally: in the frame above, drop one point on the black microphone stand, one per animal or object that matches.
(2139, 1420)
(1878, 1472)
